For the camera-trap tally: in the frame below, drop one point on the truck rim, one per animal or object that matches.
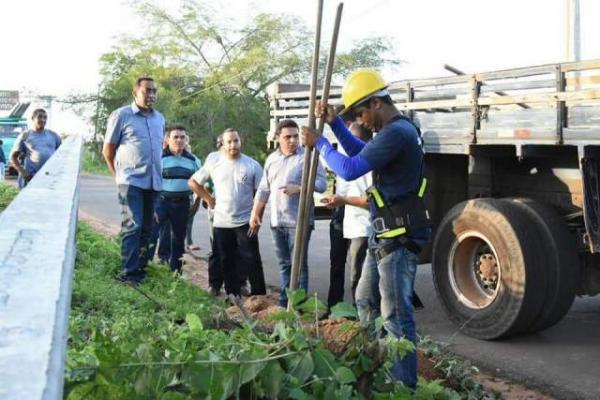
(474, 270)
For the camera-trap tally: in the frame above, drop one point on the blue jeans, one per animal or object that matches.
(137, 209)
(163, 247)
(386, 289)
(283, 239)
(173, 217)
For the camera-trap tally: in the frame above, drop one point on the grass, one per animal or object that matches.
(7, 194)
(93, 163)
(170, 340)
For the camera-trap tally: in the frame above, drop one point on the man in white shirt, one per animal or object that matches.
(357, 222)
(235, 177)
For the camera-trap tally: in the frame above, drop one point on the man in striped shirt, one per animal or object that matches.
(173, 206)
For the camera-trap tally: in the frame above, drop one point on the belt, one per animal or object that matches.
(399, 242)
(175, 199)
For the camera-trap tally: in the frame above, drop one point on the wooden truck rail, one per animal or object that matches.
(547, 104)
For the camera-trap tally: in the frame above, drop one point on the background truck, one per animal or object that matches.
(513, 164)
(10, 127)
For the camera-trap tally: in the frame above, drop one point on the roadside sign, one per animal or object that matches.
(8, 98)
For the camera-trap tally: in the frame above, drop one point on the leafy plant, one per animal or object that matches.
(169, 340)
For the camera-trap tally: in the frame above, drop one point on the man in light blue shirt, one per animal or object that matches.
(281, 183)
(133, 152)
(36, 146)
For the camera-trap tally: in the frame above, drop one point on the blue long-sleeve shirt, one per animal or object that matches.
(395, 154)
(347, 167)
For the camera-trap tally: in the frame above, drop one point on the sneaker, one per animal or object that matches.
(244, 291)
(192, 247)
(214, 292)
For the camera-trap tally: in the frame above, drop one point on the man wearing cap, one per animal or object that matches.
(400, 221)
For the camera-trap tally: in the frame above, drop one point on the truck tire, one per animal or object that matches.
(487, 268)
(563, 269)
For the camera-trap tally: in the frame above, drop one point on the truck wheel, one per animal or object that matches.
(563, 263)
(487, 268)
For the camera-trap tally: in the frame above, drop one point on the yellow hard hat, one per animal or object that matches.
(361, 84)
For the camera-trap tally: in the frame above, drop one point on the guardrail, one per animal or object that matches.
(37, 257)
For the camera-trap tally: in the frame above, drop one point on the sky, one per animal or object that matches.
(53, 47)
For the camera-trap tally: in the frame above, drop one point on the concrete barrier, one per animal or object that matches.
(37, 256)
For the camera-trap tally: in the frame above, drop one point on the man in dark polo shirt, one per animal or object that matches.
(173, 208)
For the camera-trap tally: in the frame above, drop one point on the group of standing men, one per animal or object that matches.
(155, 186)
(242, 189)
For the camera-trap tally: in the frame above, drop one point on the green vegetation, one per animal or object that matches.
(213, 71)
(7, 194)
(169, 340)
(93, 162)
(458, 372)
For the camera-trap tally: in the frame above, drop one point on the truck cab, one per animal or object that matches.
(10, 127)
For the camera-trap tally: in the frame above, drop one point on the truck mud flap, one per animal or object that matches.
(590, 169)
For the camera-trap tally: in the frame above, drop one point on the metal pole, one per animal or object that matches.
(295, 273)
(573, 31)
(314, 162)
(573, 34)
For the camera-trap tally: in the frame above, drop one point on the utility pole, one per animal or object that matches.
(95, 140)
(573, 31)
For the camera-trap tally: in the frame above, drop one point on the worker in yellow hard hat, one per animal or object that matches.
(400, 222)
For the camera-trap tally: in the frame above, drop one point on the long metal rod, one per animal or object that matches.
(314, 161)
(295, 273)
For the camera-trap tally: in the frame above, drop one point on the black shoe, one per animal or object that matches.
(416, 302)
(325, 315)
(129, 281)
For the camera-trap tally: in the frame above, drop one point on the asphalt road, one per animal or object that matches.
(563, 361)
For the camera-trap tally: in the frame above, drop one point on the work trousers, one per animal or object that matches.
(231, 243)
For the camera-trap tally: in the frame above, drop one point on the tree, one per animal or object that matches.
(212, 76)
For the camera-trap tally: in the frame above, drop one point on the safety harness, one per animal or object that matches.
(396, 220)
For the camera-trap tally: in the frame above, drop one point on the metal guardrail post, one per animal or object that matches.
(37, 256)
